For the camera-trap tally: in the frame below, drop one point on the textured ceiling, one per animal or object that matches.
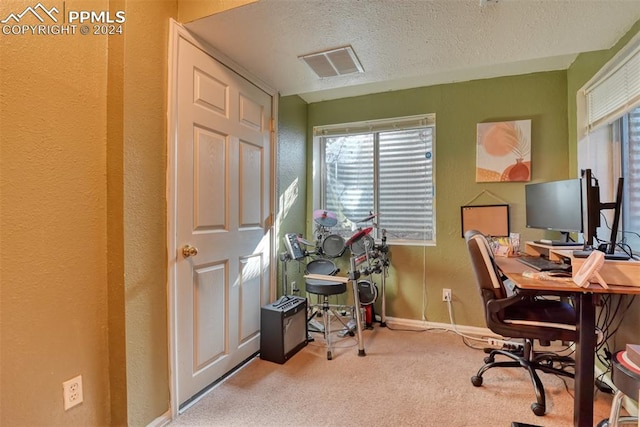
(411, 43)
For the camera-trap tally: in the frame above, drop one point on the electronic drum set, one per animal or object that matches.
(366, 258)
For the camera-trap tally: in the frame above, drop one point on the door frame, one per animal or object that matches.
(176, 32)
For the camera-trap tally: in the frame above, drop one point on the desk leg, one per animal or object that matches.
(585, 361)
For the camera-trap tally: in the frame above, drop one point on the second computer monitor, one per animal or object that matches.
(555, 206)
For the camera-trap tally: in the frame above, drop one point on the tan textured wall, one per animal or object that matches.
(115, 229)
(144, 165)
(82, 220)
(53, 320)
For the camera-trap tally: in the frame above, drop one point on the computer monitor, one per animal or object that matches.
(555, 206)
(594, 208)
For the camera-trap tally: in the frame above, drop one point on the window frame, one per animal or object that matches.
(601, 130)
(373, 127)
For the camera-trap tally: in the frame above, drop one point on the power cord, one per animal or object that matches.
(455, 327)
(621, 245)
(609, 321)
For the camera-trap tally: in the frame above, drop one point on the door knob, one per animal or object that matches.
(189, 250)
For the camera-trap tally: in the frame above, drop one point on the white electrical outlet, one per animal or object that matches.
(446, 294)
(72, 392)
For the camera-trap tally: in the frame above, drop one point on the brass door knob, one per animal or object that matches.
(189, 250)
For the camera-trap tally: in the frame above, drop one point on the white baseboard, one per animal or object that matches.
(161, 421)
(627, 403)
(423, 324)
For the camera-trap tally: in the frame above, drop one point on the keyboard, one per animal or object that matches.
(542, 264)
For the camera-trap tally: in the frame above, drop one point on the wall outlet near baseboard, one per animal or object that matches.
(446, 295)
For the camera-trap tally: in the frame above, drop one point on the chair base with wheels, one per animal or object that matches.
(532, 362)
(626, 378)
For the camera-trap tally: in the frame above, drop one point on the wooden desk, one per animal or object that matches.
(548, 251)
(625, 273)
(585, 324)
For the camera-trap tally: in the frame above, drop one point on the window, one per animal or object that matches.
(611, 143)
(384, 167)
(630, 144)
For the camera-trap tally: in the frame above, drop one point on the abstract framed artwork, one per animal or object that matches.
(503, 151)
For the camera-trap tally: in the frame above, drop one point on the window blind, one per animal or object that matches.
(349, 178)
(615, 93)
(631, 205)
(384, 166)
(405, 191)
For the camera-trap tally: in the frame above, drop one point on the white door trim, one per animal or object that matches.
(176, 32)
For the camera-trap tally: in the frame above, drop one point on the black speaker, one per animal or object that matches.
(283, 328)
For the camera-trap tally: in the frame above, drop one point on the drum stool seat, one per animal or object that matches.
(325, 288)
(626, 377)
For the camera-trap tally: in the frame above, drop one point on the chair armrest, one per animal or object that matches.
(497, 305)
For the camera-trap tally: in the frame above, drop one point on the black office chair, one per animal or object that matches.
(524, 315)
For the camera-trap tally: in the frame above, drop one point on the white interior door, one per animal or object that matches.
(223, 207)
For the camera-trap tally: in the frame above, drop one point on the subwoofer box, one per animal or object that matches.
(283, 328)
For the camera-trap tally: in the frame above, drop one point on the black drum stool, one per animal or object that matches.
(324, 289)
(626, 378)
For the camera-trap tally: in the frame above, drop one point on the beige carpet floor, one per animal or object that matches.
(406, 379)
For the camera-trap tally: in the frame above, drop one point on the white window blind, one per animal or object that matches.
(631, 162)
(386, 167)
(405, 188)
(614, 93)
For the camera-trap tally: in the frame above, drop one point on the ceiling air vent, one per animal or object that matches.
(334, 62)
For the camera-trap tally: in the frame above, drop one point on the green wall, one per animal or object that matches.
(418, 274)
(292, 180)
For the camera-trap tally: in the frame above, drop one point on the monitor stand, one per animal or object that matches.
(557, 243)
(616, 256)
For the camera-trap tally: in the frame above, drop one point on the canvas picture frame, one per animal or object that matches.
(503, 151)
